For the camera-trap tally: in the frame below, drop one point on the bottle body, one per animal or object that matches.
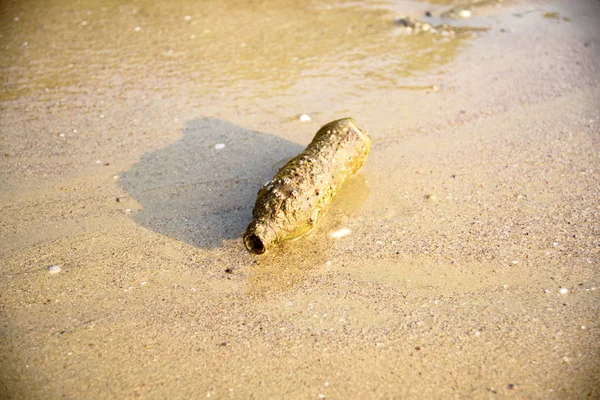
(289, 205)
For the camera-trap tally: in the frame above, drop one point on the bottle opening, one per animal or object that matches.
(254, 244)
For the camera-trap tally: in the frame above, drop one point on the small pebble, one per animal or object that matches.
(16, 19)
(464, 13)
(563, 291)
(340, 233)
(128, 211)
(61, 134)
(477, 333)
(98, 162)
(53, 269)
(137, 28)
(187, 18)
(305, 118)
(84, 23)
(219, 146)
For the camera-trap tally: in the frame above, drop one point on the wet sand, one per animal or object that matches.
(472, 266)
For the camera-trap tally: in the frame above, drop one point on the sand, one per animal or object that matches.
(134, 137)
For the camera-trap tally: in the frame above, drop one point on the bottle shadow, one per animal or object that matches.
(200, 192)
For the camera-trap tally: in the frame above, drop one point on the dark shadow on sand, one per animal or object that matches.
(198, 194)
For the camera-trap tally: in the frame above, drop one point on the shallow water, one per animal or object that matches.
(257, 50)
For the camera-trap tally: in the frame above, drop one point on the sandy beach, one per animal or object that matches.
(135, 135)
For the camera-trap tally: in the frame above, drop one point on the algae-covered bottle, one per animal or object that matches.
(289, 205)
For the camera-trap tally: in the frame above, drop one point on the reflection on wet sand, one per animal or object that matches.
(291, 263)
